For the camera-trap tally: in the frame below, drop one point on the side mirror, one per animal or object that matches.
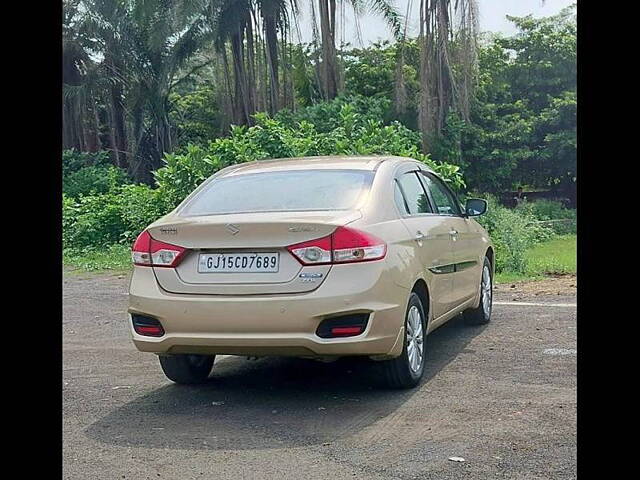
(475, 207)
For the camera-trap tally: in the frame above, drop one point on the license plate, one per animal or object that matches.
(258, 262)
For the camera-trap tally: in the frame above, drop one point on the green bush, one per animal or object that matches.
(139, 206)
(196, 115)
(512, 233)
(69, 215)
(108, 211)
(114, 217)
(72, 160)
(354, 134)
(552, 214)
(86, 173)
(92, 220)
(326, 116)
(93, 180)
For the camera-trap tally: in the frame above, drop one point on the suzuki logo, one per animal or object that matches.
(232, 229)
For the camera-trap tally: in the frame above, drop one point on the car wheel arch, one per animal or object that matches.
(491, 256)
(421, 288)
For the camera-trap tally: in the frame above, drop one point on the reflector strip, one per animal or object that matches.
(345, 331)
(149, 331)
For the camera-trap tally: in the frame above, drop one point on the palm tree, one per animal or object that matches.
(232, 21)
(99, 25)
(275, 20)
(327, 11)
(250, 31)
(142, 45)
(448, 57)
(163, 36)
(81, 87)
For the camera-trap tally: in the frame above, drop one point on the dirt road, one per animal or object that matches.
(503, 397)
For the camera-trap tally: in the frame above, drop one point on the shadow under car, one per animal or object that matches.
(272, 402)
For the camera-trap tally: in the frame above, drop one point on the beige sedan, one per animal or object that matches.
(310, 257)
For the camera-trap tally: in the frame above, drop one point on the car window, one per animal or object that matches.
(291, 190)
(445, 202)
(414, 194)
(399, 198)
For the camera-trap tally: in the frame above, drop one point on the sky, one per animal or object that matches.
(492, 18)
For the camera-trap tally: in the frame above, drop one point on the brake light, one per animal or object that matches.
(149, 252)
(344, 245)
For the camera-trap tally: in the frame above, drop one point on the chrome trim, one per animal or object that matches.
(452, 267)
(440, 269)
(464, 265)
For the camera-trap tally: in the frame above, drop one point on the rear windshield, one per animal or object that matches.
(292, 190)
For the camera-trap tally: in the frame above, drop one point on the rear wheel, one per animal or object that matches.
(482, 314)
(407, 370)
(187, 369)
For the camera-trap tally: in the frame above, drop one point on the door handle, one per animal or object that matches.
(419, 237)
(453, 232)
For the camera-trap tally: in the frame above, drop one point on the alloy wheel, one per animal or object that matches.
(486, 291)
(415, 340)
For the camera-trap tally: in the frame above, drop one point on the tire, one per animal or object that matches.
(401, 372)
(187, 369)
(482, 314)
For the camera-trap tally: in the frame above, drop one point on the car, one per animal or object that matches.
(315, 257)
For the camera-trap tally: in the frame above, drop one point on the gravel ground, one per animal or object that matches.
(563, 285)
(503, 397)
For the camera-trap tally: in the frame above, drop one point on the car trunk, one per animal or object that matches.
(262, 234)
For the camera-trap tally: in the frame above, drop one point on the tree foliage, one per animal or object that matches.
(523, 124)
(352, 133)
(119, 213)
(144, 78)
(168, 93)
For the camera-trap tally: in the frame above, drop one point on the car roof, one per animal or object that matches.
(329, 162)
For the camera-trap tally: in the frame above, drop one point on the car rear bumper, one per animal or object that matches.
(257, 325)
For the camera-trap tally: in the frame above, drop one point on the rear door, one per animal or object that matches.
(466, 240)
(430, 236)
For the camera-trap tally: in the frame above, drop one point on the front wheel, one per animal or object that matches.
(407, 370)
(187, 369)
(482, 314)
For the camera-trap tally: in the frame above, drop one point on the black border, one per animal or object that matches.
(33, 243)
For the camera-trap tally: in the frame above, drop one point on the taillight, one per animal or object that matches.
(149, 252)
(344, 245)
(350, 245)
(313, 252)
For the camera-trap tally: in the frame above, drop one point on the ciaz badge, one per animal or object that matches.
(310, 277)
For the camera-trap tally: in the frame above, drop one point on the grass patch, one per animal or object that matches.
(557, 256)
(554, 257)
(512, 277)
(116, 258)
